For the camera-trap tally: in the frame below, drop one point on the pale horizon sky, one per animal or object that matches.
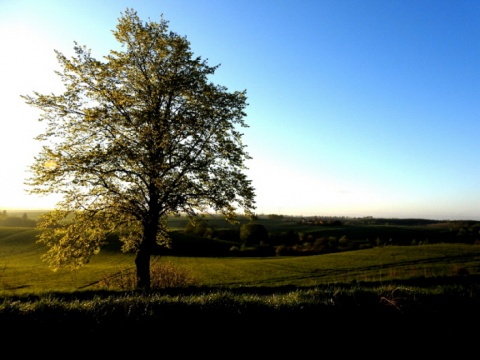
(356, 108)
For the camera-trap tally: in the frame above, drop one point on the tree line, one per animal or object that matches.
(16, 221)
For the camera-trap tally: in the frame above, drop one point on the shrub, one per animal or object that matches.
(460, 270)
(253, 234)
(199, 228)
(281, 250)
(163, 275)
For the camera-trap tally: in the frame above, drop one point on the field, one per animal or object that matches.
(22, 271)
(391, 259)
(424, 278)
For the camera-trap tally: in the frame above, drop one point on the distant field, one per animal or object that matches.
(31, 214)
(22, 271)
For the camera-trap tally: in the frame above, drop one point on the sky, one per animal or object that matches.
(356, 108)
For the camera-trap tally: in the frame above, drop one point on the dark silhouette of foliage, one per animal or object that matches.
(253, 234)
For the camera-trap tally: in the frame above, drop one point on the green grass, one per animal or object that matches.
(380, 264)
(380, 294)
(23, 272)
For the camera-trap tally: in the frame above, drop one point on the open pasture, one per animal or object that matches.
(22, 271)
(386, 293)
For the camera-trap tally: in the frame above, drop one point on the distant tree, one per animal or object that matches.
(253, 234)
(135, 138)
(198, 228)
(16, 221)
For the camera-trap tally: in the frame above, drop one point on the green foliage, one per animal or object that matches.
(199, 228)
(253, 234)
(135, 138)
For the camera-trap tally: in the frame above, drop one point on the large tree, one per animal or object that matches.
(135, 138)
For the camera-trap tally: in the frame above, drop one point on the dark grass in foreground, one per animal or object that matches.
(449, 310)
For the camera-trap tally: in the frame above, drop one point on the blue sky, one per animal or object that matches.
(356, 108)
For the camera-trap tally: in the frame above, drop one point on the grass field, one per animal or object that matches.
(390, 294)
(23, 272)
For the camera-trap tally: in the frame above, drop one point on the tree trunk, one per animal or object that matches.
(142, 259)
(142, 262)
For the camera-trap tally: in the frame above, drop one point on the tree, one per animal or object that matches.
(253, 234)
(136, 138)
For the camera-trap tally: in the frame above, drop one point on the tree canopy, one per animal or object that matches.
(253, 234)
(136, 137)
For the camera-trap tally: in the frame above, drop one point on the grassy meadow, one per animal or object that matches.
(399, 277)
(23, 272)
